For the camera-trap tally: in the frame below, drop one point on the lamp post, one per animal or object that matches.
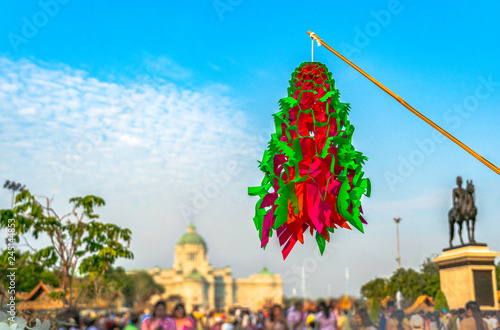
(398, 259)
(399, 296)
(14, 186)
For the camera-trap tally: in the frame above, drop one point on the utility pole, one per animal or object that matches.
(398, 259)
(304, 288)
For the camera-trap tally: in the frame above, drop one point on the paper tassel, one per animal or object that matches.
(313, 176)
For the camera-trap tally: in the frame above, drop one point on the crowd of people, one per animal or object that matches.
(323, 316)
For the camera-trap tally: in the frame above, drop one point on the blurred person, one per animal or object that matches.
(382, 321)
(182, 321)
(246, 321)
(145, 315)
(362, 320)
(474, 319)
(344, 322)
(436, 323)
(492, 321)
(276, 320)
(90, 323)
(461, 315)
(326, 318)
(335, 311)
(117, 323)
(101, 322)
(200, 318)
(417, 321)
(159, 319)
(75, 322)
(229, 323)
(398, 321)
(427, 320)
(259, 321)
(452, 321)
(134, 321)
(311, 323)
(216, 323)
(296, 316)
(443, 317)
(110, 322)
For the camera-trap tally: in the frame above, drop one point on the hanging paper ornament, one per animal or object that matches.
(313, 175)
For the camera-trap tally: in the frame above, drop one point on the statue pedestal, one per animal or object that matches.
(468, 273)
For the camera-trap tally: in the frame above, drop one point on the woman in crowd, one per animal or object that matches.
(276, 319)
(436, 323)
(159, 319)
(182, 321)
(325, 320)
(474, 318)
(362, 320)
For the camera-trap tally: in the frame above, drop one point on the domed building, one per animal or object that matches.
(199, 284)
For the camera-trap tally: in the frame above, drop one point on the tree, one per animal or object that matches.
(376, 288)
(411, 282)
(408, 281)
(440, 302)
(79, 244)
(137, 286)
(430, 277)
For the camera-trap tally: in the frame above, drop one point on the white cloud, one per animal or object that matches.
(162, 132)
(28, 111)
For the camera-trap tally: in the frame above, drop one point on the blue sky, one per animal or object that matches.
(145, 104)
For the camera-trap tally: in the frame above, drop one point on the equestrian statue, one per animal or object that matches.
(464, 209)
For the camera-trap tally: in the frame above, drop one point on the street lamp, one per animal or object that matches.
(398, 259)
(399, 296)
(14, 186)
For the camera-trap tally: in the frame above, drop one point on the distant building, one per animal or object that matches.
(199, 284)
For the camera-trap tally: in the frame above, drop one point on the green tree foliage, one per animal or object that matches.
(29, 272)
(408, 281)
(79, 244)
(412, 283)
(430, 277)
(374, 310)
(376, 288)
(138, 286)
(440, 301)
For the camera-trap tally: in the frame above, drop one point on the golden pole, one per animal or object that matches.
(407, 106)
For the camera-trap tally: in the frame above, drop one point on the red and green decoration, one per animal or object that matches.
(313, 175)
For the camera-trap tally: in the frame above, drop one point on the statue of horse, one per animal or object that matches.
(471, 211)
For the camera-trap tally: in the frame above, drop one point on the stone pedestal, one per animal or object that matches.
(468, 273)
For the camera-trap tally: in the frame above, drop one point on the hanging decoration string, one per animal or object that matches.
(312, 49)
(406, 105)
(313, 35)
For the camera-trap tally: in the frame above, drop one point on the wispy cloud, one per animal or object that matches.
(69, 122)
(166, 68)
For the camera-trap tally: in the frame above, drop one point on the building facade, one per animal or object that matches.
(199, 284)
